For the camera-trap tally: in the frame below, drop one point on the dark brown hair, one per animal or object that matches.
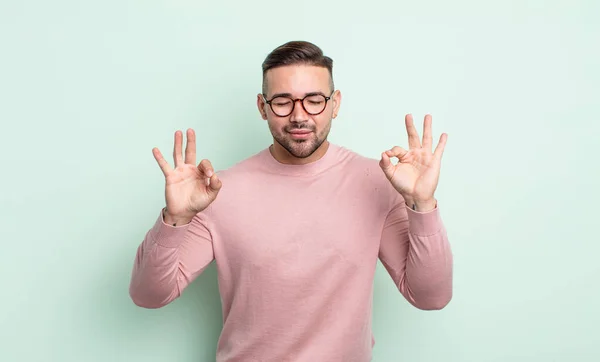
(296, 52)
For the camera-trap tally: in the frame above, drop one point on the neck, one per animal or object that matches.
(282, 155)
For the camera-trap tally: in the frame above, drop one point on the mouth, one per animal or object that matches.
(300, 134)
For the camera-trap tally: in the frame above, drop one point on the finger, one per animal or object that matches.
(439, 149)
(206, 168)
(190, 147)
(386, 165)
(396, 151)
(427, 138)
(162, 163)
(385, 160)
(177, 156)
(215, 183)
(413, 135)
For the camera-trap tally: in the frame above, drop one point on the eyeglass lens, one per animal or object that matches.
(283, 106)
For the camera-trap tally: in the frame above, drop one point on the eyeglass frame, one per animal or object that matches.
(294, 100)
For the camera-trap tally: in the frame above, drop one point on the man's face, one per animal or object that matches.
(300, 133)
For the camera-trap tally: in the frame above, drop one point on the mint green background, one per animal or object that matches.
(88, 88)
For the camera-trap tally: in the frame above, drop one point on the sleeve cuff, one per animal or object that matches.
(424, 223)
(167, 235)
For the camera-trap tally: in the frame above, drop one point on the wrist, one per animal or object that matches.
(420, 205)
(175, 220)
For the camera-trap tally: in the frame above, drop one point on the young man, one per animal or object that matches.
(296, 230)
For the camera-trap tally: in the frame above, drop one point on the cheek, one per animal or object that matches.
(276, 124)
(323, 120)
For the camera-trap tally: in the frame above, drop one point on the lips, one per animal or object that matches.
(300, 133)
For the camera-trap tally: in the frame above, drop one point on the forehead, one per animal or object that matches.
(298, 79)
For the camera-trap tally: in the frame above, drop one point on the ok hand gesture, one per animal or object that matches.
(416, 174)
(189, 189)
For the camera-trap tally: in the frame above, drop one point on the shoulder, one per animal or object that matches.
(360, 164)
(243, 168)
(236, 180)
(367, 171)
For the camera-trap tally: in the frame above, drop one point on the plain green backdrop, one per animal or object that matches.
(88, 88)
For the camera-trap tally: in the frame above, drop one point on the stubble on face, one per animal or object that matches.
(299, 148)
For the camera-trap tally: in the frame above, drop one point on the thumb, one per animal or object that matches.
(215, 183)
(386, 164)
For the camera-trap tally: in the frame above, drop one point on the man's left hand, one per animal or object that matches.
(416, 174)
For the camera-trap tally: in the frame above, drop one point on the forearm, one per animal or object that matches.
(155, 275)
(428, 276)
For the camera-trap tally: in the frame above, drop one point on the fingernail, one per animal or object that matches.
(209, 173)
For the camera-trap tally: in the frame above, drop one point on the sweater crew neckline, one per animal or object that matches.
(309, 169)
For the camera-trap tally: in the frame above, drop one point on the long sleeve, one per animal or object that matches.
(416, 253)
(168, 260)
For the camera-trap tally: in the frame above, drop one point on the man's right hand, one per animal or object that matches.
(189, 189)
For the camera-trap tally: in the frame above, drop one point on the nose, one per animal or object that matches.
(298, 114)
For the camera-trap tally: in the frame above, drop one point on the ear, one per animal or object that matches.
(260, 103)
(337, 101)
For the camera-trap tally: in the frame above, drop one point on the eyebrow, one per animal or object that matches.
(290, 95)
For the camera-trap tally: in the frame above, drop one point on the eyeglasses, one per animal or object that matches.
(314, 104)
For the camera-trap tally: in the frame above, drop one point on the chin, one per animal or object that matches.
(302, 153)
(302, 148)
